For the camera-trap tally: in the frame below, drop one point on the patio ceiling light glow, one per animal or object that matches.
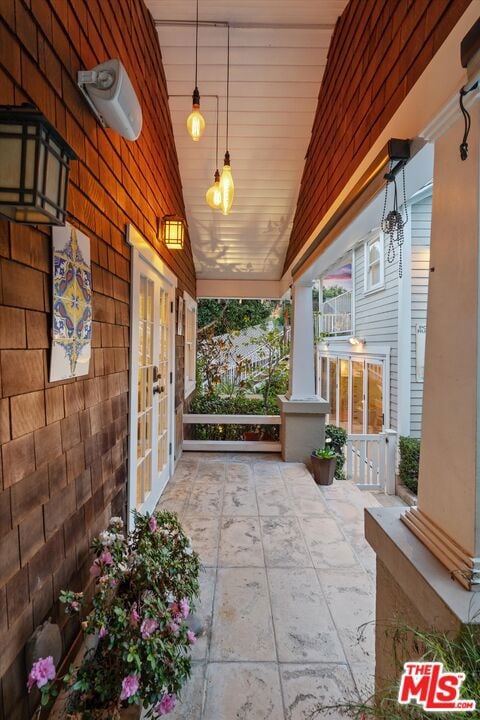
(356, 341)
(173, 232)
(227, 187)
(196, 121)
(34, 167)
(214, 194)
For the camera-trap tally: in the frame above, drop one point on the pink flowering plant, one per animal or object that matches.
(146, 584)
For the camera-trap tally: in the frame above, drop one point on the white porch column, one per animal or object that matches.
(302, 411)
(440, 539)
(302, 360)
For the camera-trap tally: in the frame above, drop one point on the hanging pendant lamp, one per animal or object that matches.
(214, 195)
(196, 121)
(227, 188)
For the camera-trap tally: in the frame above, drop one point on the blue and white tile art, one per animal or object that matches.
(72, 304)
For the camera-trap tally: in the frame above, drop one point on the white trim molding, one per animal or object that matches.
(190, 343)
(149, 254)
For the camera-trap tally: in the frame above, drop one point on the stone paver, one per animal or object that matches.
(287, 589)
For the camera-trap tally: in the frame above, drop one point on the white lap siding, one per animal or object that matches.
(421, 226)
(376, 318)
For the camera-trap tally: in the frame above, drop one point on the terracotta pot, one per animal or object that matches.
(252, 435)
(323, 469)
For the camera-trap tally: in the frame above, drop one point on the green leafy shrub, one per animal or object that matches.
(409, 462)
(233, 405)
(336, 438)
(324, 453)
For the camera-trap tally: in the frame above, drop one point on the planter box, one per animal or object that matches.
(323, 469)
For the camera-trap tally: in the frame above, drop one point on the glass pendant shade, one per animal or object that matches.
(214, 194)
(196, 121)
(34, 168)
(227, 188)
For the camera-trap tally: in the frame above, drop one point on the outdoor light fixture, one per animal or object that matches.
(173, 232)
(196, 121)
(214, 194)
(356, 341)
(227, 188)
(34, 167)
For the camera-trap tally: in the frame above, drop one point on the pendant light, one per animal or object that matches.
(214, 194)
(195, 121)
(227, 187)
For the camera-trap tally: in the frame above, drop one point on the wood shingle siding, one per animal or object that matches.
(378, 51)
(64, 445)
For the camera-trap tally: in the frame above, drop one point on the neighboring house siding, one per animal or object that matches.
(64, 445)
(421, 226)
(378, 51)
(376, 318)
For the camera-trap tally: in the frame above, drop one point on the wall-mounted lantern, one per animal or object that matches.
(34, 167)
(173, 232)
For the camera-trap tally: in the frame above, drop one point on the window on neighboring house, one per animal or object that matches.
(190, 324)
(374, 264)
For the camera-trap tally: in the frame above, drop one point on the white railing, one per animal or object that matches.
(335, 317)
(371, 461)
(232, 445)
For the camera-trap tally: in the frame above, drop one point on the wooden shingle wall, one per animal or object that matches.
(378, 51)
(64, 445)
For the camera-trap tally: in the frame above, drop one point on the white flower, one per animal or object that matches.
(107, 538)
(116, 521)
(188, 550)
(170, 597)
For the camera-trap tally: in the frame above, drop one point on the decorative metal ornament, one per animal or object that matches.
(393, 222)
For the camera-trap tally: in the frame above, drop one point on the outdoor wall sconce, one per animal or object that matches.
(34, 167)
(173, 232)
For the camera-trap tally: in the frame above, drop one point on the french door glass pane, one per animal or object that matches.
(357, 397)
(144, 390)
(332, 390)
(375, 397)
(162, 442)
(323, 378)
(343, 395)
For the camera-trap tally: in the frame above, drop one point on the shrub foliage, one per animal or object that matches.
(409, 462)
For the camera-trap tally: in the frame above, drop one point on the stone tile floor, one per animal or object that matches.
(286, 589)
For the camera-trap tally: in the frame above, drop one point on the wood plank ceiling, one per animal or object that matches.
(278, 51)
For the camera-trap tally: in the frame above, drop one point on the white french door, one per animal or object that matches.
(357, 389)
(151, 388)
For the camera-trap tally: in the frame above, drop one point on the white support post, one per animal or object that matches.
(390, 461)
(302, 362)
(303, 412)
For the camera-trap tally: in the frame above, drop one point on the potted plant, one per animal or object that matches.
(137, 630)
(323, 465)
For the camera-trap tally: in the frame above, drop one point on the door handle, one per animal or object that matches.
(158, 389)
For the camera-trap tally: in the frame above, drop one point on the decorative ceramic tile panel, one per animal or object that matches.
(72, 304)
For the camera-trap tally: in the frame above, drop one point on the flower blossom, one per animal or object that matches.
(148, 627)
(116, 522)
(166, 704)
(41, 673)
(107, 538)
(184, 607)
(152, 523)
(134, 616)
(95, 569)
(173, 626)
(103, 632)
(130, 685)
(191, 637)
(106, 558)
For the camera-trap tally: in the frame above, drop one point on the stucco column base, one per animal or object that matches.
(303, 427)
(412, 589)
